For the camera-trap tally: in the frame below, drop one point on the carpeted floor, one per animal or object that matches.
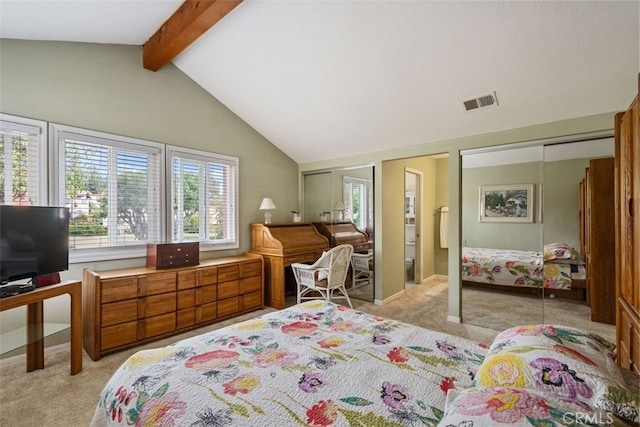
(51, 397)
(501, 310)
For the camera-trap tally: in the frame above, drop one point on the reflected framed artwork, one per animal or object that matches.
(506, 203)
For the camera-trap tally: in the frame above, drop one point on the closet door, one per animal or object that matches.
(634, 217)
(625, 233)
(600, 256)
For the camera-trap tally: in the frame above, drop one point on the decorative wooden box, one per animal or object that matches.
(171, 255)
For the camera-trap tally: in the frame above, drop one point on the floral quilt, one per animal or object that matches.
(513, 268)
(545, 375)
(316, 363)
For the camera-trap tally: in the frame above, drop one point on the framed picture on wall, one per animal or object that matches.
(506, 203)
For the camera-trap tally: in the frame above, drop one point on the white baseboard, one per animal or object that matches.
(393, 297)
(454, 319)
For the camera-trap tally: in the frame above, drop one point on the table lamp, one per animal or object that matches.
(339, 208)
(265, 206)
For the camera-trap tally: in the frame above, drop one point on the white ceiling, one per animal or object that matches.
(323, 79)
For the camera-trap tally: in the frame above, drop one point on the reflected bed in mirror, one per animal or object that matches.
(556, 171)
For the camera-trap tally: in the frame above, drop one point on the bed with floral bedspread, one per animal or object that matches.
(514, 268)
(322, 364)
(316, 363)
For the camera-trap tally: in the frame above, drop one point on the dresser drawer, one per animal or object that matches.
(206, 312)
(228, 289)
(229, 306)
(250, 284)
(118, 335)
(206, 294)
(156, 304)
(186, 318)
(249, 269)
(119, 289)
(228, 272)
(207, 276)
(153, 284)
(157, 325)
(186, 279)
(251, 300)
(186, 298)
(629, 339)
(119, 312)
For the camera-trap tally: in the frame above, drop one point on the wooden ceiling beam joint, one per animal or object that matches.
(192, 19)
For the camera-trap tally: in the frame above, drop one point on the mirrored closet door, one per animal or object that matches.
(493, 181)
(502, 237)
(339, 202)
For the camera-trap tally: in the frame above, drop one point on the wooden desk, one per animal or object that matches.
(35, 328)
(280, 246)
(344, 232)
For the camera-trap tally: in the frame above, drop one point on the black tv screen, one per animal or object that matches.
(34, 241)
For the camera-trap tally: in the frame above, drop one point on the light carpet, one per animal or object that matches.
(501, 310)
(51, 397)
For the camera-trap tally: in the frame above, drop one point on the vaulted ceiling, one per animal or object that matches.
(323, 79)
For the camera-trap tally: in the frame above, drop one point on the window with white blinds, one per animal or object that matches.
(203, 197)
(23, 172)
(358, 207)
(112, 186)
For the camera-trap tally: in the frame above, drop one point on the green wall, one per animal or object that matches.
(517, 236)
(104, 88)
(561, 201)
(389, 246)
(441, 264)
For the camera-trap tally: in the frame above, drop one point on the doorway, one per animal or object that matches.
(412, 226)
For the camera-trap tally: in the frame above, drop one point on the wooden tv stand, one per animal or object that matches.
(35, 327)
(126, 307)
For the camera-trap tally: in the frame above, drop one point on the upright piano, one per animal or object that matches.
(344, 232)
(280, 246)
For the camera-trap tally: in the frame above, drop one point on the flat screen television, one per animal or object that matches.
(34, 241)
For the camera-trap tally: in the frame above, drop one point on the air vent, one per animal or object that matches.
(482, 101)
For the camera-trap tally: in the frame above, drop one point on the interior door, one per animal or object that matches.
(413, 213)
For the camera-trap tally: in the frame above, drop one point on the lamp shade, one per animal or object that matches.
(339, 206)
(267, 204)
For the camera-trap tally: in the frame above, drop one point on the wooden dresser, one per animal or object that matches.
(627, 231)
(599, 239)
(282, 245)
(123, 308)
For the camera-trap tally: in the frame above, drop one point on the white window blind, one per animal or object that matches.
(356, 196)
(203, 197)
(22, 161)
(111, 185)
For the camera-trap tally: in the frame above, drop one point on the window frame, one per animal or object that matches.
(57, 186)
(51, 184)
(199, 155)
(39, 128)
(365, 186)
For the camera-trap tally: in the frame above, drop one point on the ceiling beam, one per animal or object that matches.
(189, 22)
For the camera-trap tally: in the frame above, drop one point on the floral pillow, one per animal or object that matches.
(567, 364)
(516, 407)
(556, 251)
